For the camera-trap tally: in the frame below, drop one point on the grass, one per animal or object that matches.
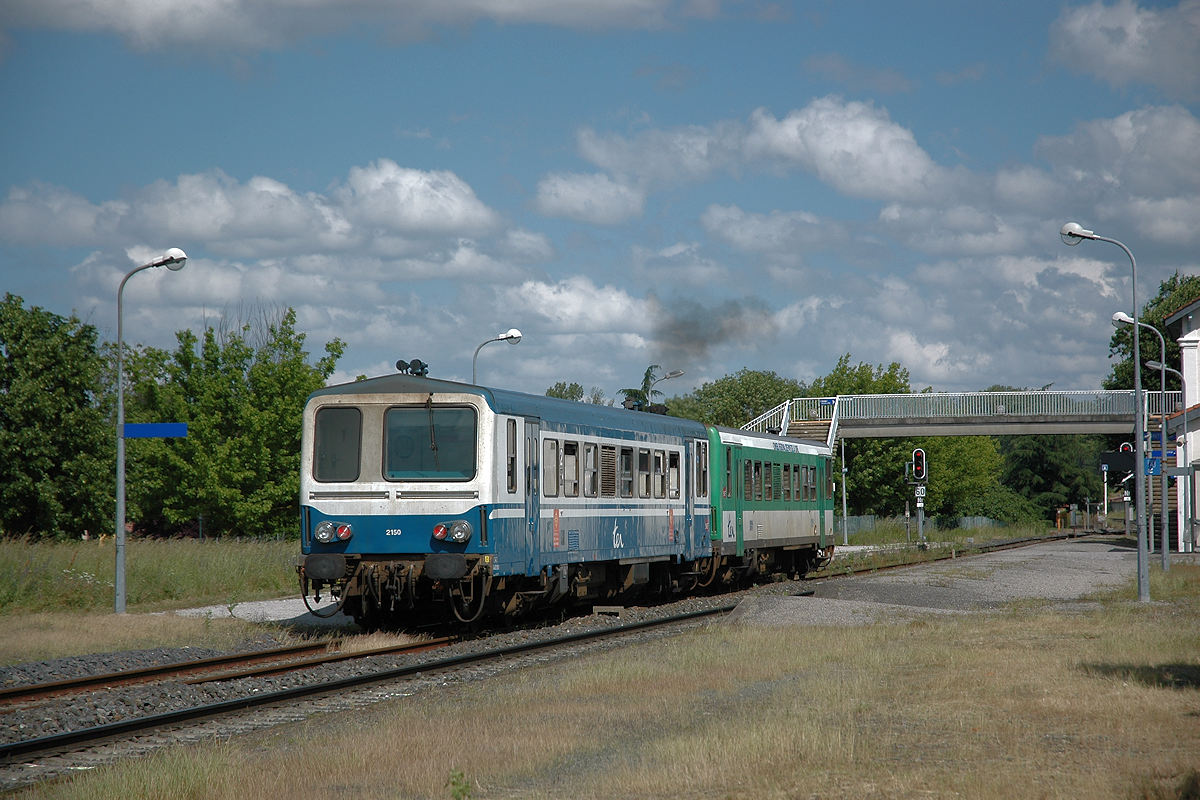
(1029, 702)
(159, 574)
(43, 635)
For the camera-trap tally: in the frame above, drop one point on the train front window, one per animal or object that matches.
(336, 436)
(429, 443)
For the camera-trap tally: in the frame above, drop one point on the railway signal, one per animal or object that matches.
(919, 472)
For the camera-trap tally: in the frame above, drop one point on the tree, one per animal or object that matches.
(640, 397)
(563, 391)
(736, 399)
(875, 477)
(1173, 294)
(238, 468)
(1048, 471)
(861, 379)
(1053, 471)
(56, 453)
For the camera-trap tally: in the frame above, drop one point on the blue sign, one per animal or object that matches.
(825, 401)
(1153, 466)
(155, 430)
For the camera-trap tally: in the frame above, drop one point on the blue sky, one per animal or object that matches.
(704, 185)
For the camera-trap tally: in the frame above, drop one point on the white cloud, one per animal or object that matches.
(577, 305)
(593, 198)
(382, 208)
(779, 233)
(956, 230)
(1143, 165)
(689, 153)
(241, 25)
(854, 147)
(1123, 43)
(41, 212)
(680, 264)
(396, 198)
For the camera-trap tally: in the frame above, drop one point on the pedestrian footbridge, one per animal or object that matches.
(963, 414)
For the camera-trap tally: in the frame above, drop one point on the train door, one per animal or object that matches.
(740, 488)
(533, 506)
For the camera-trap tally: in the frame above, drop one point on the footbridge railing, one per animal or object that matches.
(961, 413)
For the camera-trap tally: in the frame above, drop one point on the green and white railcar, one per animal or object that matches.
(772, 500)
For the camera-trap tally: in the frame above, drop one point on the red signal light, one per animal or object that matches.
(918, 461)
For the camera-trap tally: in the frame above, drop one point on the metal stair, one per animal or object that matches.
(817, 429)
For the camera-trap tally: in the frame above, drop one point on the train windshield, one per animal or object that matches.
(429, 443)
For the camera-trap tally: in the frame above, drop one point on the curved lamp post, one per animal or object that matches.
(173, 260)
(512, 335)
(1189, 539)
(1121, 318)
(1072, 234)
(675, 373)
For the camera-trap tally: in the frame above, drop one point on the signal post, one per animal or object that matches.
(918, 474)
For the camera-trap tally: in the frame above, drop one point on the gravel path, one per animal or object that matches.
(1059, 572)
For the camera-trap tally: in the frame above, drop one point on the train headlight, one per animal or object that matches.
(458, 531)
(328, 532)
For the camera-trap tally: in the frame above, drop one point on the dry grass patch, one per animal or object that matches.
(45, 635)
(1028, 703)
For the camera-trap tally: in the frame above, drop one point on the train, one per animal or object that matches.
(425, 501)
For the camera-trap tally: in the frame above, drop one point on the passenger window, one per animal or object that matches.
(701, 471)
(570, 469)
(511, 457)
(768, 484)
(643, 473)
(747, 480)
(727, 489)
(590, 483)
(758, 480)
(625, 468)
(787, 483)
(673, 475)
(660, 474)
(550, 468)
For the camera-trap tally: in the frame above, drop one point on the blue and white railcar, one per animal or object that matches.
(420, 494)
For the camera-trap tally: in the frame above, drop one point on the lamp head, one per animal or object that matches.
(1121, 318)
(1073, 233)
(512, 335)
(1158, 365)
(175, 259)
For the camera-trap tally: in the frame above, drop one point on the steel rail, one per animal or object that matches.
(60, 742)
(411, 648)
(19, 694)
(283, 659)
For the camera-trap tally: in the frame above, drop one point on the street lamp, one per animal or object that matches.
(1190, 539)
(173, 260)
(675, 373)
(1121, 318)
(1072, 234)
(511, 335)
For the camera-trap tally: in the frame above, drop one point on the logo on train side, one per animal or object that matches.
(618, 541)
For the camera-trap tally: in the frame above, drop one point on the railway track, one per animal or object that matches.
(229, 667)
(59, 743)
